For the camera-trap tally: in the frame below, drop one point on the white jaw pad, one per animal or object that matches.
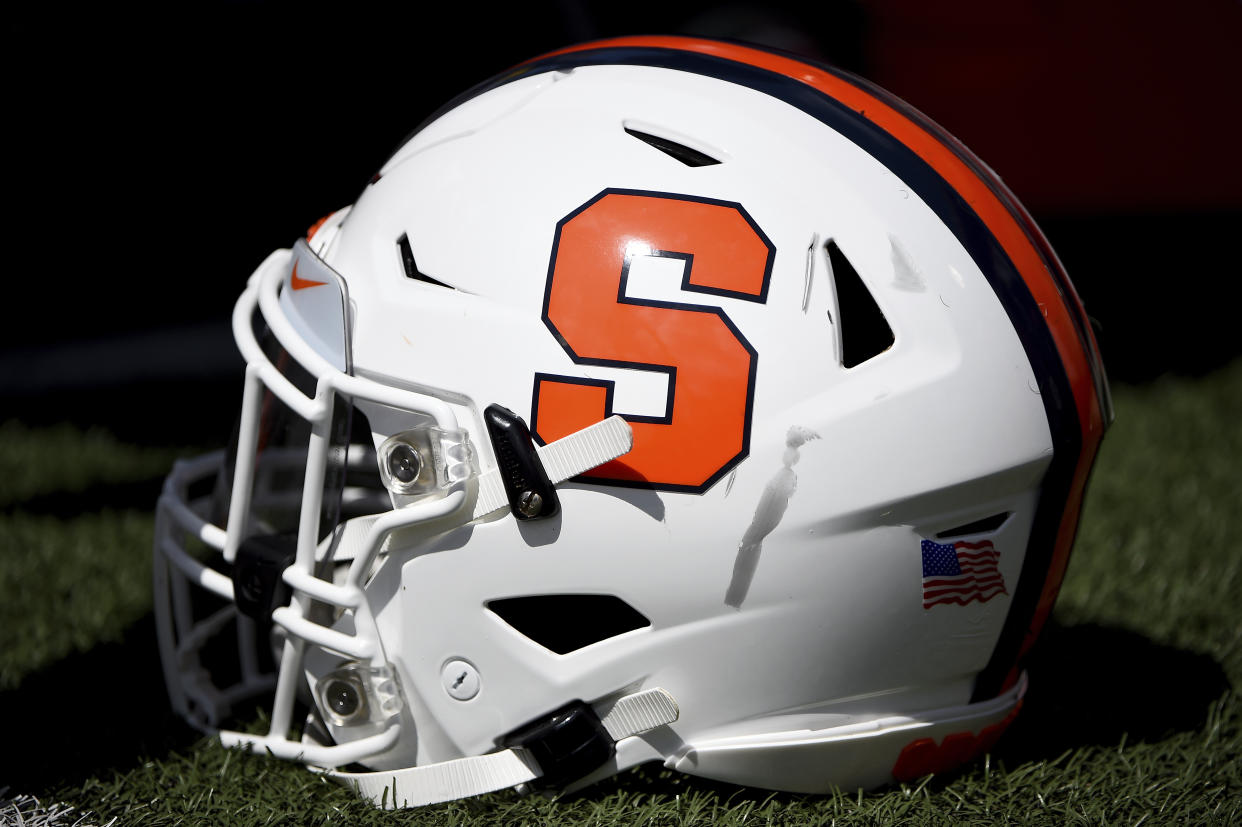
(567, 457)
(478, 774)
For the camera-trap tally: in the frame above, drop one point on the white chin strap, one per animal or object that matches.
(563, 459)
(478, 774)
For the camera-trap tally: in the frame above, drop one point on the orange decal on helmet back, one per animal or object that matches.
(924, 756)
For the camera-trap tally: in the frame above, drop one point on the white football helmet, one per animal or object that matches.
(659, 400)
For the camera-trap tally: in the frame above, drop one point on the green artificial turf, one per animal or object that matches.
(75, 537)
(1130, 719)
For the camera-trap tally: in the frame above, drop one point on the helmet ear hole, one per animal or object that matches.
(689, 156)
(410, 266)
(865, 333)
(986, 525)
(566, 623)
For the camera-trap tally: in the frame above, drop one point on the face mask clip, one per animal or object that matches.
(531, 494)
(257, 571)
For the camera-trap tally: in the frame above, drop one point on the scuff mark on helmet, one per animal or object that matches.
(768, 513)
(906, 275)
(810, 273)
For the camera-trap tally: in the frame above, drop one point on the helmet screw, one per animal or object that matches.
(343, 698)
(404, 463)
(529, 503)
(460, 680)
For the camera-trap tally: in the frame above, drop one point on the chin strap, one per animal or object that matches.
(567, 745)
(567, 457)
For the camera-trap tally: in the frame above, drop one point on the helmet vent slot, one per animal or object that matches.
(987, 525)
(865, 333)
(566, 623)
(411, 266)
(687, 155)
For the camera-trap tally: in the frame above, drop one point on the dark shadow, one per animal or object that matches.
(128, 495)
(1152, 271)
(1092, 684)
(197, 411)
(90, 715)
(646, 500)
(537, 533)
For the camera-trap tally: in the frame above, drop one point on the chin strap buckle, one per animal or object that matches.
(554, 751)
(567, 745)
(532, 496)
(526, 473)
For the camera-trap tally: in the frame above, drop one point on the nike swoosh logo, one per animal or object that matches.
(301, 284)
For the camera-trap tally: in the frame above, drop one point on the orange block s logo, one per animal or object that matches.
(710, 366)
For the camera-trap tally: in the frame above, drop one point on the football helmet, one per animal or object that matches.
(661, 399)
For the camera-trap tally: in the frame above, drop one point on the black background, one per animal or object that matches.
(158, 153)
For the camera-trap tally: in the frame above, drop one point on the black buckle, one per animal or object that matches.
(257, 585)
(568, 744)
(531, 494)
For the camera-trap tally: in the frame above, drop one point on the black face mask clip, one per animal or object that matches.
(531, 494)
(258, 588)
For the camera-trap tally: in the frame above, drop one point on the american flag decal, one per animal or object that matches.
(960, 572)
